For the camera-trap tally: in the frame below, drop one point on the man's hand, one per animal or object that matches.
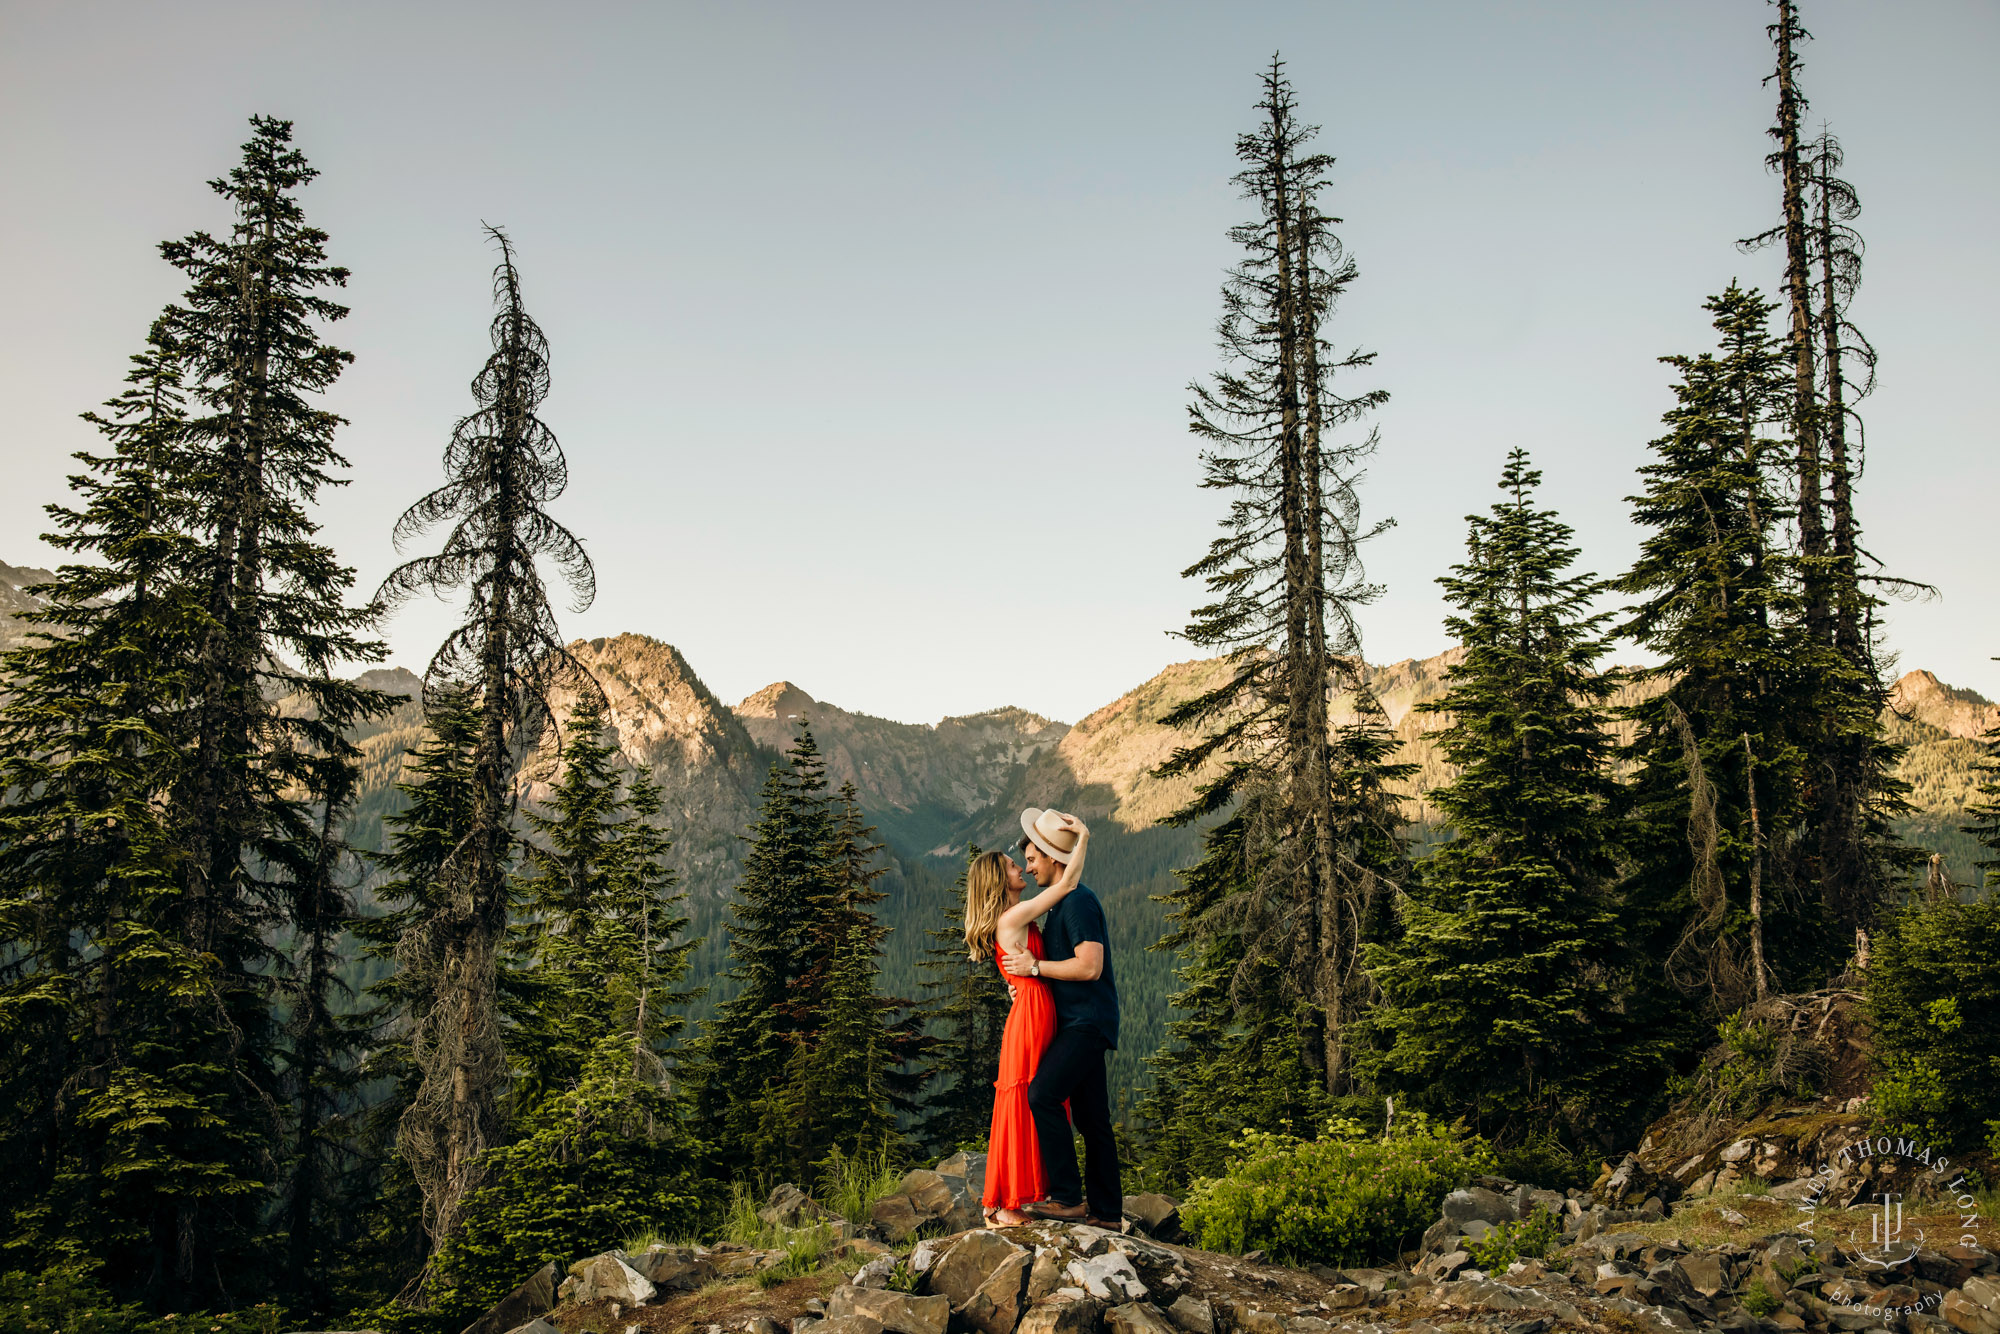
(1021, 964)
(1087, 966)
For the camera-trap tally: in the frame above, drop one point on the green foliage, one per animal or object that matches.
(806, 1059)
(1535, 1237)
(1934, 1002)
(1985, 812)
(598, 947)
(1758, 1299)
(1720, 605)
(170, 888)
(1547, 1162)
(1340, 1199)
(1502, 994)
(69, 1300)
(849, 1185)
(591, 1164)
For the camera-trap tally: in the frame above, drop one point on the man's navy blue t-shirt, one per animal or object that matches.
(1094, 1005)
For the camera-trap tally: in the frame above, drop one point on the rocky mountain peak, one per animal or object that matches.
(393, 680)
(1964, 714)
(780, 700)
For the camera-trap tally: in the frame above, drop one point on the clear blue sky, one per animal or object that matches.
(872, 322)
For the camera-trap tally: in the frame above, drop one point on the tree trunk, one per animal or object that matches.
(1798, 286)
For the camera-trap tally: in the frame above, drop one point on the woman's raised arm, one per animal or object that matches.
(1027, 910)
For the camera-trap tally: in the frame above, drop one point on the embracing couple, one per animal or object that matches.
(1063, 1021)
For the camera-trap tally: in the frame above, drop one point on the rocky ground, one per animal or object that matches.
(1637, 1254)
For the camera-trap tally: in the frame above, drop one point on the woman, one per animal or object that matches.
(999, 922)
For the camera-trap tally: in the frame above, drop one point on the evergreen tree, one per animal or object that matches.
(1498, 1003)
(115, 1118)
(599, 944)
(746, 1047)
(502, 466)
(1233, 1060)
(836, 1101)
(603, 1144)
(1286, 894)
(845, 1078)
(423, 839)
(1985, 812)
(966, 1014)
(327, 1043)
(1848, 849)
(1721, 788)
(250, 800)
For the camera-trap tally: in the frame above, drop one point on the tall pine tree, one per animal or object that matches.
(1850, 855)
(745, 1047)
(1500, 1001)
(1721, 788)
(1296, 876)
(502, 466)
(602, 1144)
(115, 1118)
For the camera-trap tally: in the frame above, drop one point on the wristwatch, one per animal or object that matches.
(1035, 968)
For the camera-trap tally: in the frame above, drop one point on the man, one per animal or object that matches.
(1076, 964)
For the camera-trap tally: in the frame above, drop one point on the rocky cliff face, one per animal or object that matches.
(1920, 697)
(14, 602)
(958, 765)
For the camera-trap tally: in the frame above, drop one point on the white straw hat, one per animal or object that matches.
(1045, 830)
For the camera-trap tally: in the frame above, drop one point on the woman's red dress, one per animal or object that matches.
(1013, 1154)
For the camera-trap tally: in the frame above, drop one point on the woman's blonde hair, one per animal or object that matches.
(985, 900)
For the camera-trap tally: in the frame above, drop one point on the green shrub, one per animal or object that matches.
(1532, 1238)
(1758, 1301)
(68, 1300)
(593, 1165)
(850, 1186)
(1342, 1198)
(1547, 1163)
(1934, 1001)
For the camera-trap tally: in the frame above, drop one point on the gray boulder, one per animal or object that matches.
(1109, 1277)
(995, 1308)
(899, 1312)
(1192, 1315)
(1136, 1318)
(969, 1168)
(1046, 1274)
(1478, 1204)
(670, 1268)
(1158, 1216)
(964, 1268)
(1061, 1314)
(788, 1206)
(534, 1298)
(608, 1278)
(876, 1273)
(847, 1324)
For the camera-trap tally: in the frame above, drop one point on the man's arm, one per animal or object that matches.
(1086, 966)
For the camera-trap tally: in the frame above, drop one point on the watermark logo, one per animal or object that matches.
(1881, 1190)
(1886, 1245)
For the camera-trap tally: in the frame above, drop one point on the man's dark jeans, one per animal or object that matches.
(1072, 1069)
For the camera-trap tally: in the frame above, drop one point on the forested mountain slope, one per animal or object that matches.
(932, 790)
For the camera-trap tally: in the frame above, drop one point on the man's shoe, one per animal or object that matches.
(1090, 1221)
(1054, 1211)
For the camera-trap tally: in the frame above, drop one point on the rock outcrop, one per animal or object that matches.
(1615, 1270)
